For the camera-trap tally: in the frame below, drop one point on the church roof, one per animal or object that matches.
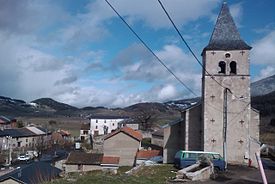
(226, 35)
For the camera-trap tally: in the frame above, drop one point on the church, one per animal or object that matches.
(224, 120)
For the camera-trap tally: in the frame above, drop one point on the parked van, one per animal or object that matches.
(186, 158)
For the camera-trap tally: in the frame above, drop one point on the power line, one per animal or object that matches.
(145, 45)
(158, 59)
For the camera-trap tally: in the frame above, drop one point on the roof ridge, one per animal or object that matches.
(127, 130)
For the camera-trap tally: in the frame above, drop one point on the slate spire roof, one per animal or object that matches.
(226, 35)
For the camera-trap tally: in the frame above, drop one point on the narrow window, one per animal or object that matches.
(233, 67)
(222, 66)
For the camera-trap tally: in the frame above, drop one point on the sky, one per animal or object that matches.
(81, 53)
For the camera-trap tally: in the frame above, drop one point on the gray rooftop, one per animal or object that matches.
(226, 35)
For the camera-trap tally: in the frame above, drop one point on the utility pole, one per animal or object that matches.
(225, 125)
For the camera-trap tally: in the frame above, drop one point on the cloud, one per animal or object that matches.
(266, 72)
(263, 55)
(91, 25)
(167, 92)
(236, 11)
(66, 80)
(136, 63)
(28, 73)
(153, 15)
(266, 29)
(263, 50)
(29, 15)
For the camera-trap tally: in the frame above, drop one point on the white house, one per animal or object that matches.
(100, 125)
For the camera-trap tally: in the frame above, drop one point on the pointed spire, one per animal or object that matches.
(226, 35)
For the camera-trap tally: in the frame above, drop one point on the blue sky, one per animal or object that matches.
(80, 53)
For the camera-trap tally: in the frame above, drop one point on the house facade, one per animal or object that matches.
(102, 125)
(123, 143)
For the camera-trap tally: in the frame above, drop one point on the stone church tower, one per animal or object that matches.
(226, 88)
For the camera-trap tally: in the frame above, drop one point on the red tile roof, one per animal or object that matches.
(110, 160)
(127, 130)
(148, 154)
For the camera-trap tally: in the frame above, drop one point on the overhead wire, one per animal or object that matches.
(145, 45)
(158, 59)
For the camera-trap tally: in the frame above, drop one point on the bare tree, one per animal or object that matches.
(145, 119)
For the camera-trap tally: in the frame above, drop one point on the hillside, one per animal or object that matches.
(160, 113)
(265, 104)
(263, 86)
(52, 104)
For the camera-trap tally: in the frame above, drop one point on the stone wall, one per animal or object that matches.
(157, 140)
(193, 129)
(173, 141)
(83, 168)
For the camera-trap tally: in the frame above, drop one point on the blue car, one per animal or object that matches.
(186, 158)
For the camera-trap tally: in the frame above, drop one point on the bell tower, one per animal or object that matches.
(226, 92)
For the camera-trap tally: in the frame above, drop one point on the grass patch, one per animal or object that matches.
(147, 175)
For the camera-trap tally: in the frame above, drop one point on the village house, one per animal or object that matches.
(61, 137)
(20, 138)
(6, 122)
(24, 138)
(43, 136)
(123, 143)
(85, 131)
(3, 140)
(79, 161)
(110, 164)
(129, 123)
(157, 137)
(102, 125)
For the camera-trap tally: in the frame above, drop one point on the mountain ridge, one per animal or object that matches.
(47, 107)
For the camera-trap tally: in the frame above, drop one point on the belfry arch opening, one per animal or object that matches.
(233, 67)
(222, 66)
